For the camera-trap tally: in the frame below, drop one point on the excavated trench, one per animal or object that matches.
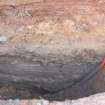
(51, 49)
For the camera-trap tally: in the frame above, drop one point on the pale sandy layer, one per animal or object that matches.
(98, 99)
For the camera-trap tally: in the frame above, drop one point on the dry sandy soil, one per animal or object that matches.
(54, 31)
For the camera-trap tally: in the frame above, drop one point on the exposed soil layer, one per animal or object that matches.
(58, 31)
(82, 89)
(51, 45)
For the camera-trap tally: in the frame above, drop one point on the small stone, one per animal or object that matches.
(3, 39)
(29, 27)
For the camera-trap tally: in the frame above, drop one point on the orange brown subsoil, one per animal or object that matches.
(55, 29)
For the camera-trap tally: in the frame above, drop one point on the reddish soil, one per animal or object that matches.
(50, 31)
(37, 11)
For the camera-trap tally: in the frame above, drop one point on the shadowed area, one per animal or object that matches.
(52, 82)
